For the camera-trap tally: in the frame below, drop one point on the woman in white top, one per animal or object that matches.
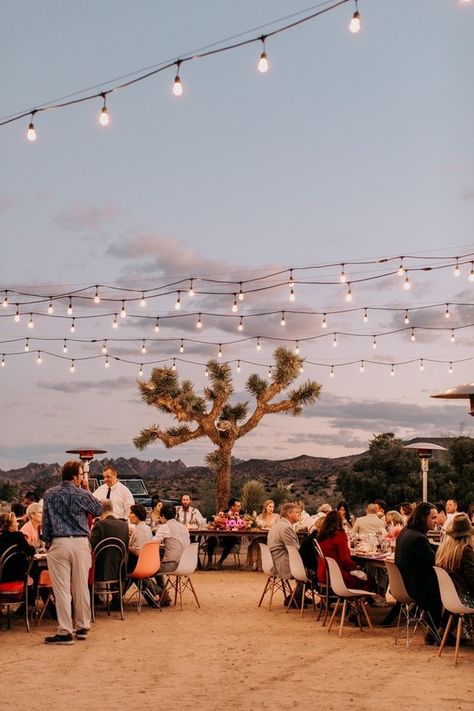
(264, 520)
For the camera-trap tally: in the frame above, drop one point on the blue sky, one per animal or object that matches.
(349, 148)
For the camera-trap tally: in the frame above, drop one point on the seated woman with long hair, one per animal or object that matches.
(456, 556)
(333, 541)
(345, 514)
(265, 521)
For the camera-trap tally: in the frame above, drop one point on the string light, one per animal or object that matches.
(191, 289)
(73, 326)
(407, 283)
(297, 348)
(219, 352)
(241, 293)
(157, 325)
(104, 347)
(123, 310)
(457, 271)
(140, 372)
(104, 117)
(72, 367)
(206, 372)
(143, 347)
(31, 132)
(407, 320)
(471, 273)
(234, 305)
(96, 295)
(69, 308)
(343, 277)
(177, 305)
(27, 345)
(199, 322)
(5, 300)
(282, 322)
(106, 364)
(39, 359)
(3, 360)
(349, 293)
(362, 366)
(50, 306)
(422, 365)
(258, 346)
(450, 369)
(17, 314)
(65, 346)
(240, 327)
(374, 342)
(143, 300)
(238, 366)
(324, 323)
(177, 86)
(291, 282)
(292, 294)
(334, 341)
(366, 316)
(262, 65)
(401, 268)
(392, 371)
(354, 24)
(31, 323)
(446, 313)
(173, 365)
(115, 322)
(181, 346)
(270, 372)
(453, 337)
(331, 372)
(412, 337)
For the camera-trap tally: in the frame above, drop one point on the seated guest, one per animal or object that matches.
(11, 536)
(405, 511)
(370, 523)
(319, 517)
(456, 555)
(32, 529)
(29, 498)
(333, 542)
(228, 542)
(20, 512)
(394, 519)
(308, 554)
(105, 526)
(189, 515)
(415, 558)
(451, 509)
(305, 521)
(381, 508)
(282, 535)
(140, 534)
(155, 513)
(175, 537)
(347, 520)
(265, 521)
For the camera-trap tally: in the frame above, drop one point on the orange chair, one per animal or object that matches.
(148, 564)
(44, 583)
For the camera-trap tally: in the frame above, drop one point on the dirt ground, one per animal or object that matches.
(229, 653)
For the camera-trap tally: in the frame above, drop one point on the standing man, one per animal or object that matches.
(119, 494)
(451, 510)
(66, 508)
(187, 514)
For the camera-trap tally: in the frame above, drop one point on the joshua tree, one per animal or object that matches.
(214, 417)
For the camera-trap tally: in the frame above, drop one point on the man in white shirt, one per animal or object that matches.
(175, 537)
(119, 494)
(188, 515)
(451, 510)
(370, 523)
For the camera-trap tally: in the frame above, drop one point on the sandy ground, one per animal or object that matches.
(229, 653)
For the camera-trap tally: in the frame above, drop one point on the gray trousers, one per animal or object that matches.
(69, 561)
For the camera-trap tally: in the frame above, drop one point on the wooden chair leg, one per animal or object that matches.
(445, 635)
(334, 612)
(343, 615)
(364, 610)
(458, 639)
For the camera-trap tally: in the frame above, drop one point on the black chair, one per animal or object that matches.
(14, 592)
(109, 572)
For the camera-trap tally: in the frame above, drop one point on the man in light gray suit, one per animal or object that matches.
(280, 536)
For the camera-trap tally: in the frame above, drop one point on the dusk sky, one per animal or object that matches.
(351, 148)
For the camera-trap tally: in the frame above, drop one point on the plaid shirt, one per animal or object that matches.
(65, 511)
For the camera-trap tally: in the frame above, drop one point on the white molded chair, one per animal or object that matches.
(324, 588)
(299, 574)
(274, 582)
(412, 614)
(451, 603)
(352, 598)
(179, 580)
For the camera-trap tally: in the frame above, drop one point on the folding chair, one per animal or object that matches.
(451, 603)
(179, 580)
(109, 557)
(274, 582)
(354, 599)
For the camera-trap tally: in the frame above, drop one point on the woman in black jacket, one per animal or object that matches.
(11, 536)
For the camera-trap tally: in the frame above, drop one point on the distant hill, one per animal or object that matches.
(311, 478)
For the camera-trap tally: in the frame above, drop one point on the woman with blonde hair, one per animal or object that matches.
(32, 529)
(456, 556)
(265, 521)
(268, 517)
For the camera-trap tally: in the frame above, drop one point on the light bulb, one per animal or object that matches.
(471, 273)
(238, 366)
(115, 323)
(324, 323)
(297, 348)
(362, 367)
(140, 372)
(269, 374)
(219, 352)
(181, 346)
(177, 86)
(240, 327)
(31, 133)
(173, 366)
(3, 361)
(234, 305)
(65, 346)
(69, 308)
(96, 295)
(412, 337)
(199, 322)
(291, 283)
(258, 346)
(191, 290)
(392, 371)
(331, 372)
(262, 65)
(301, 369)
(343, 277)
(72, 367)
(446, 313)
(104, 348)
(143, 347)
(407, 283)
(366, 316)
(206, 372)
(73, 326)
(157, 325)
(241, 293)
(50, 307)
(104, 116)
(177, 305)
(27, 344)
(5, 300)
(401, 269)
(334, 341)
(354, 24)
(374, 343)
(457, 271)
(407, 320)
(282, 322)
(292, 295)
(453, 337)
(39, 359)
(123, 311)
(143, 301)
(349, 293)
(17, 314)
(422, 365)
(450, 369)
(107, 364)
(31, 323)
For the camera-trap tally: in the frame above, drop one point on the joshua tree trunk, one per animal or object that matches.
(223, 478)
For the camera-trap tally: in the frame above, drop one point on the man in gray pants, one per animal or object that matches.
(65, 529)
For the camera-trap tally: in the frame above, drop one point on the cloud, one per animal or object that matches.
(342, 438)
(6, 203)
(468, 194)
(80, 386)
(81, 217)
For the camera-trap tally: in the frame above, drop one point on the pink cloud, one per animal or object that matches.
(82, 217)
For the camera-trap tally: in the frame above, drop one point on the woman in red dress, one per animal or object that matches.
(333, 541)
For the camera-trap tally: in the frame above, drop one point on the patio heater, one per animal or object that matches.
(86, 454)
(460, 391)
(424, 451)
